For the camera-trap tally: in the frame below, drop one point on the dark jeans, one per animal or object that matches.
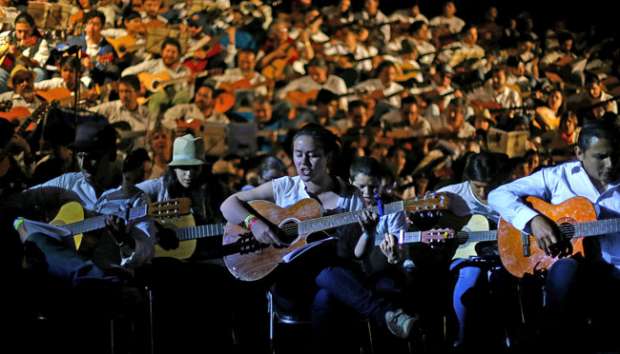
(63, 262)
(576, 290)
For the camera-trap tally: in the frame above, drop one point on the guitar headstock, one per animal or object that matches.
(435, 236)
(438, 201)
(172, 208)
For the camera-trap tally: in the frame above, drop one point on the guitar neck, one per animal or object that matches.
(98, 222)
(592, 228)
(202, 231)
(476, 236)
(332, 221)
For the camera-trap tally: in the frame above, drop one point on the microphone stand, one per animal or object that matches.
(76, 89)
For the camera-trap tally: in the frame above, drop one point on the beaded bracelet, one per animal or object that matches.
(249, 220)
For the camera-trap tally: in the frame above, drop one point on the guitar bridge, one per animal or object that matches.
(525, 241)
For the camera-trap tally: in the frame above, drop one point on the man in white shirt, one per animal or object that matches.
(96, 151)
(22, 82)
(243, 76)
(318, 78)
(576, 286)
(407, 121)
(202, 110)
(126, 108)
(449, 19)
(168, 65)
(383, 87)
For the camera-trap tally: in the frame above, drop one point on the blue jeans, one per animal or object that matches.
(339, 285)
(468, 276)
(65, 264)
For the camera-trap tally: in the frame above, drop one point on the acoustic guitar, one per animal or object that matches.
(70, 217)
(188, 234)
(28, 124)
(476, 229)
(123, 45)
(576, 219)
(294, 224)
(158, 81)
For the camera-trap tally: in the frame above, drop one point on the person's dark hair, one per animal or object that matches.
(25, 17)
(271, 163)
(171, 41)
(130, 15)
(591, 78)
(328, 141)
(479, 167)
(366, 165)
(416, 26)
(135, 159)
(325, 96)
(94, 13)
(131, 80)
(597, 129)
(385, 64)
(71, 63)
(408, 100)
(356, 103)
(317, 61)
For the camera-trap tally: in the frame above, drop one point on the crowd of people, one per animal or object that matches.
(134, 108)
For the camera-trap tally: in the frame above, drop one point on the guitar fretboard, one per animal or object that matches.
(596, 228)
(98, 222)
(476, 236)
(196, 232)
(351, 217)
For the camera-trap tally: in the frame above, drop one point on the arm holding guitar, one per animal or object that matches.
(235, 212)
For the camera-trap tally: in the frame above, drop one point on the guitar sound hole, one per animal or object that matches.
(288, 232)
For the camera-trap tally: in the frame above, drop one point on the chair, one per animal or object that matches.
(278, 316)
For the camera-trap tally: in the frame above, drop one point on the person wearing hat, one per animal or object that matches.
(95, 148)
(175, 279)
(183, 178)
(21, 82)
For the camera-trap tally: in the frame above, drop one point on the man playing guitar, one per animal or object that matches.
(576, 285)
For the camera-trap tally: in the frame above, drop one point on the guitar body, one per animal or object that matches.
(510, 242)
(242, 84)
(70, 213)
(476, 223)
(258, 264)
(122, 45)
(186, 248)
(301, 99)
(60, 94)
(152, 82)
(16, 113)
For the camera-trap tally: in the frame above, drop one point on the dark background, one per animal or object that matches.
(580, 15)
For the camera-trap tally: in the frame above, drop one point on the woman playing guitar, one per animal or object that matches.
(314, 150)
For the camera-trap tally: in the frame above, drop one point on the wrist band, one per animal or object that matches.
(18, 223)
(252, 222)
(249, 220)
